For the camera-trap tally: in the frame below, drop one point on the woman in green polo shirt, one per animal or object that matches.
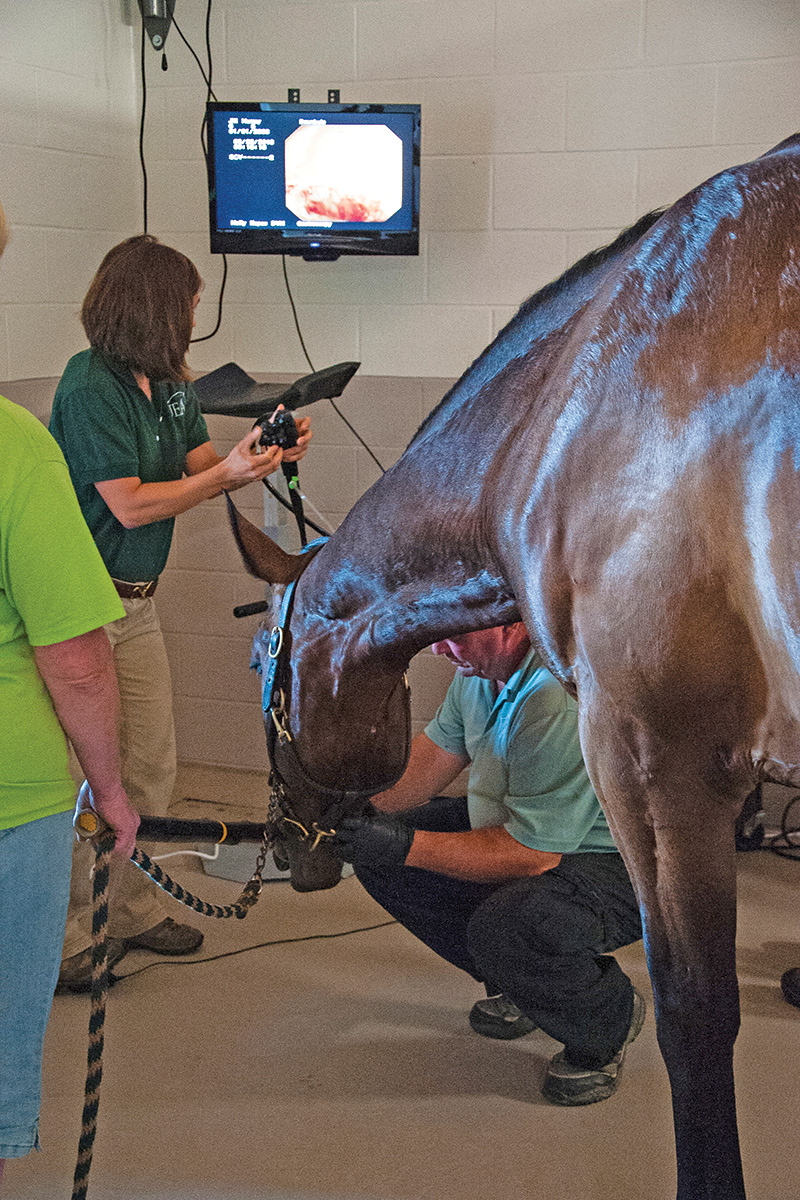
(129, 424)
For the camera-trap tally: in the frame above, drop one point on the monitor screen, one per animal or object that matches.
(314, 179)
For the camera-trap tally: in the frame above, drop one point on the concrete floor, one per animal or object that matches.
(344, 1069)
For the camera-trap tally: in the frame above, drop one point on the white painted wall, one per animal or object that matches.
(547, 126)
(67, 168)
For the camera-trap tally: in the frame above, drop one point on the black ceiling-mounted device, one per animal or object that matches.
(157, 17)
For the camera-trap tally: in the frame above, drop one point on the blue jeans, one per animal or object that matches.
(544, 940)
(34, 891)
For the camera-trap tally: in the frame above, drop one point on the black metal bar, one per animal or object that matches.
(249, 610)
(177, 829)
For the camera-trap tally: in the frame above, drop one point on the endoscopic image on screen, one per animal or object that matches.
(344, 173)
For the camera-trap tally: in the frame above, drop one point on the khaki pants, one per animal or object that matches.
(148, 775)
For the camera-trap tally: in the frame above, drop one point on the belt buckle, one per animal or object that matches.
(141, 590)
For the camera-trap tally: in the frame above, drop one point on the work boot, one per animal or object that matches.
(499, 1017)
(168, 937)
(76, 971)
(569, 1085)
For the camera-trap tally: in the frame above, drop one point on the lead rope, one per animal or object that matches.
(100, 977)
(97, 1018)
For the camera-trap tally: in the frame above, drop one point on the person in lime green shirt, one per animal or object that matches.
(57, 680)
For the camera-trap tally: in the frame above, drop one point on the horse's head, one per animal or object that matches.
(318, 777)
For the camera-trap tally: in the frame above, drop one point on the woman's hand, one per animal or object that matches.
(249, 462)
(304, 437)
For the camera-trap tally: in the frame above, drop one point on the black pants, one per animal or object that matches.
(543, 940)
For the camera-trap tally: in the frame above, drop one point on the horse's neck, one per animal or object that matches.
(430, 610)
(402, 596)
(395, 586)
(543, 315)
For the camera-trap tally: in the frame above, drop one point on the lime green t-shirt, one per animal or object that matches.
(53, 586)
(108, 429)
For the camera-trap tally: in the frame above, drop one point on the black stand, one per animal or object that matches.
(231, 392)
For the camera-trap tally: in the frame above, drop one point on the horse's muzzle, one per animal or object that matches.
(311, 870)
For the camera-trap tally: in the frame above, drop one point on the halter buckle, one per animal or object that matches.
(320, 834)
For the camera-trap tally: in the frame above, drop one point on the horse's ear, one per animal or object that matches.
(263, 557)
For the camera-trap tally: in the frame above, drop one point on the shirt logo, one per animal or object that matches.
(177, 404)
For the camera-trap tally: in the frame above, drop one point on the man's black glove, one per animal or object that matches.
(373, 841)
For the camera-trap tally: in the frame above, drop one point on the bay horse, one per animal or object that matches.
(620, 470)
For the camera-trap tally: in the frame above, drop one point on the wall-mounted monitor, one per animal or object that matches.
(317, 180)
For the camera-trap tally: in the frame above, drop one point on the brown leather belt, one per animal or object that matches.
(135, 591)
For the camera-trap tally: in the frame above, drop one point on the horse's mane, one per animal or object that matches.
(589, 262)
(547, 298)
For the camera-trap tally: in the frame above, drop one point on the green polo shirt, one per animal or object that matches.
(53, 587)
(527, 771)
(108, 429)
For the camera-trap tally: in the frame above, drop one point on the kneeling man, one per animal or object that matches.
(519, 883)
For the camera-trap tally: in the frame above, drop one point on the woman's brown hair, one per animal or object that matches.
(138, 310)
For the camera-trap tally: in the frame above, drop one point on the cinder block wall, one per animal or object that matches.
(547, 125)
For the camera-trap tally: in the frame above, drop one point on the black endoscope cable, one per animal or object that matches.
(273, 491)
(141, 133)
(310, 937)
(209, 95)
(336, 409)
(293, 484)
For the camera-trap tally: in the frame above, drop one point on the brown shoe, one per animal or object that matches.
(76, 971)
(167, 938)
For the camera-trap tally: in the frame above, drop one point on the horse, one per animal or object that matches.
(618, 469)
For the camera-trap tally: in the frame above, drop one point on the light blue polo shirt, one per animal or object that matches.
(527, 771)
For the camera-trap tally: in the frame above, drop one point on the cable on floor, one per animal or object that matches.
(311, 937)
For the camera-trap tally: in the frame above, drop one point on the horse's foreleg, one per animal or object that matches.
(679, 848)
(689, 912)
